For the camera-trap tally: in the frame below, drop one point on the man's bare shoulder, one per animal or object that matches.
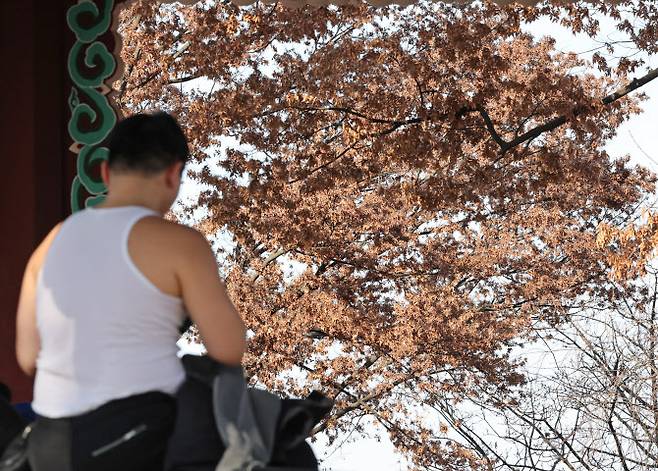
(172, 234)
(39, 254)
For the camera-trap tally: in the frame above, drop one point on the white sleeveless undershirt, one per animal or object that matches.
(106, 331)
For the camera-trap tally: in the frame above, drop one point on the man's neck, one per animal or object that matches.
(114, 202)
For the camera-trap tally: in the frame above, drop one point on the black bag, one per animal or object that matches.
(13, 435)
(15, 456)
(220, 420)
(11, 423)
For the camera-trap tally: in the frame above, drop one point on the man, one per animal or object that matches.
(100, 308)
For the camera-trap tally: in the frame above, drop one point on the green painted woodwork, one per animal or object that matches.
(92, 117)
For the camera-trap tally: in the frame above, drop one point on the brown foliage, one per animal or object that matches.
(372, 150)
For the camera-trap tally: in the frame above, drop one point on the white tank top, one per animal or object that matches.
(106, 331)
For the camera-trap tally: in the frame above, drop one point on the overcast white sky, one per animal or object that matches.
(637, 137)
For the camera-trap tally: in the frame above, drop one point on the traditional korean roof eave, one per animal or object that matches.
(319, 3)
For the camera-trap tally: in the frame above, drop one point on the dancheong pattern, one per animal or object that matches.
(92, 118)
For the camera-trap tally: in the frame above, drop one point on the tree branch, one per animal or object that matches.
(560, 120)
(490, 127)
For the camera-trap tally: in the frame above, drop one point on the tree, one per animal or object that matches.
(438, 173)
(593, 403)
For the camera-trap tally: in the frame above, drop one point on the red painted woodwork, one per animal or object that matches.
(36, 167)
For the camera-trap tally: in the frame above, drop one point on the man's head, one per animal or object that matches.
(147, 155)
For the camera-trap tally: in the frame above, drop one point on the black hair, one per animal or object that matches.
(146, 143)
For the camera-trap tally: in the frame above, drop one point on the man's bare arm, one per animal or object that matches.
(28, 342)
(204, 294)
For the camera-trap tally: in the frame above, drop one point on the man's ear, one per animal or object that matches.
(105, 172)
(174, 174)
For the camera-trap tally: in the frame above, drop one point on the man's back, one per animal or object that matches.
(107, 330)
